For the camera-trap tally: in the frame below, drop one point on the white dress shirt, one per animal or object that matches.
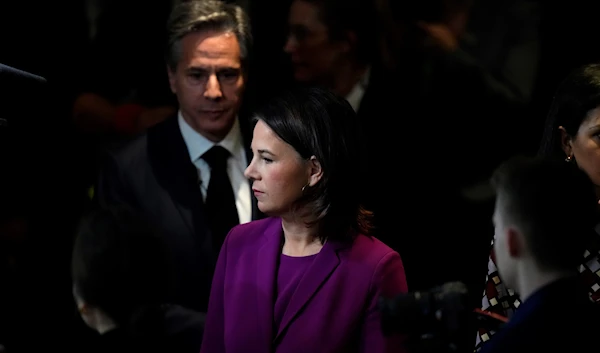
(358, 91)
(197, 145)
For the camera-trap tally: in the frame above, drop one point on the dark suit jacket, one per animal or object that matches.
(179, 331)
(334, 308)
(154, 175)
(558, 318)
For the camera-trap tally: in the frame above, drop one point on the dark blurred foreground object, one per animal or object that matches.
(17, 88)
(436, 320)
(36, 213)
(15, 83)
(19, 91)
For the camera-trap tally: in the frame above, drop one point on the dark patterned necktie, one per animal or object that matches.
(220, 200)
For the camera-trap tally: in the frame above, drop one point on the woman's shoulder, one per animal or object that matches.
(371, 250)
(251, 232)
(371, 259)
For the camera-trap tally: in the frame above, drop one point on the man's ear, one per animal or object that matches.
(172, 79)
(515, 243)
(315, 171)
(566, 141)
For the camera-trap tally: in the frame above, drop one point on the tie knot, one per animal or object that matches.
(216, 157)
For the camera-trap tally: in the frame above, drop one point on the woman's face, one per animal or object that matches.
(585, 147)
(278, 172)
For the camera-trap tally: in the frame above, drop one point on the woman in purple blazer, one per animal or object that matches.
(308, 278)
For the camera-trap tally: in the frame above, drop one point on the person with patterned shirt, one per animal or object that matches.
(572, 133)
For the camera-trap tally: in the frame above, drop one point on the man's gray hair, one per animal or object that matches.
(207, 15)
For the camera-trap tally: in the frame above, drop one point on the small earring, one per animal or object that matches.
(304, 187)
(568, 159)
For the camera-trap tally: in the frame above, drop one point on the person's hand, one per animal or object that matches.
(133, 118)
(92, 112)
(439, 36)
(153, 116)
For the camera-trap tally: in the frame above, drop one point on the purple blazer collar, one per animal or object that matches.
(269, 252)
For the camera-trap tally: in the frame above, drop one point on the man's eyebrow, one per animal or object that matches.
(216, 69)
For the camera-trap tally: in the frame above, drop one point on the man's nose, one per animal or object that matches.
(213, 88)
(290, 44)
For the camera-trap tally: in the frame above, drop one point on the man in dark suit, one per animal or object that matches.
(186, 173)
(544, 213)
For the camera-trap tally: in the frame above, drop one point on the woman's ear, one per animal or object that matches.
(315, 171)
(566, 141)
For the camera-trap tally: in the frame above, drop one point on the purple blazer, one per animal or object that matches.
(334, 308)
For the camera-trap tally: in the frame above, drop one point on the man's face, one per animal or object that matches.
(313, 54)
(209, 82)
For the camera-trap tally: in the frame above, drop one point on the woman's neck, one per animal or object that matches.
(300, 239)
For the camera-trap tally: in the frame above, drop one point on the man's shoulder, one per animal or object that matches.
(126, 152)
(136, 149)
(571, 324)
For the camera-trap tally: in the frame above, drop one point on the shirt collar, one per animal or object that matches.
(197, 144)
(358, 91)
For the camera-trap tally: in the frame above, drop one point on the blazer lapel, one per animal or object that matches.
(268, 259)
(177, 174)
(323, 266)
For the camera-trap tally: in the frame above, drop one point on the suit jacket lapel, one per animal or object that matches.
(268, 260)
(177, 174)
(323, 266)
